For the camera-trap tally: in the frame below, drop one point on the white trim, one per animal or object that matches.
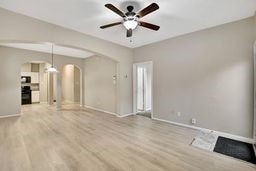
(8, 116)
(104, 111)
(100, 110)
(69, 102)
(224, 134)
(122, 116)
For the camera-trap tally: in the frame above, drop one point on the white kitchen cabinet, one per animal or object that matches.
(34, 77)
(26, 74)
(35, 97)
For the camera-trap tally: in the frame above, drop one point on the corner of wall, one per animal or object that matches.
(255, 26)
(254, 53)
(133, 55)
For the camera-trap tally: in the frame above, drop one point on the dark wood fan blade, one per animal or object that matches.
(149, 9)
(129, 33)
(149, 26)
(115, 10)
(110, 25)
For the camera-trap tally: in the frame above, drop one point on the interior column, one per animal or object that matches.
(82, 88)
(59, 91)
(50, 88)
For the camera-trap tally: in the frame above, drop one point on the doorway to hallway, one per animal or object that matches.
(143, 89)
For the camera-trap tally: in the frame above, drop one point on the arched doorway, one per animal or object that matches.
(109, 102)
(36, 83)
(71, 85)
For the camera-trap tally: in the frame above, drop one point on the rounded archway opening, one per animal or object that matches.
(71, 81)
(102, 96)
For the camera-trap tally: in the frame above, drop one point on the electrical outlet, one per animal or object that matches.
(178, 114)
(193, 121)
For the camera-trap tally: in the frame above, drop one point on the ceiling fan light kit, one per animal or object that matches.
(131, 20)
(130, 23)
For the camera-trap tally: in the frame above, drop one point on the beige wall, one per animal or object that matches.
(26, 67)
(254, 77)
(207, 75)
(34, 30)
(100, 88)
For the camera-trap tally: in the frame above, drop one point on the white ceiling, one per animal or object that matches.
(47, 48)
(176, 17)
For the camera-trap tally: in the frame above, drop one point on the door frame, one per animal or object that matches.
(135, 66)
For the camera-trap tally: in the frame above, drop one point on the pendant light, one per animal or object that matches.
(52, 69)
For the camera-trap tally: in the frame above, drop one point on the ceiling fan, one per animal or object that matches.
(131, 19)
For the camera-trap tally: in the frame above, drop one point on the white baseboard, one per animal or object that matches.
(67, 102)
(9, 116)
(104, 111)
(100, 110)
(122, 116)
(224, 134)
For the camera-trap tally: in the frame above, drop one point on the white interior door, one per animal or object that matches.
(140, 89)
(143, 87)
(148, 88)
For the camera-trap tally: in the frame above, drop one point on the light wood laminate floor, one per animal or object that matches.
(44, 139)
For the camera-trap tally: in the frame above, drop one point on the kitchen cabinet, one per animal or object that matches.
(34, 76)
(35, 97)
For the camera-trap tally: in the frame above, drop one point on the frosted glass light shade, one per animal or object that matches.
(130, 24)
(52, 70)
